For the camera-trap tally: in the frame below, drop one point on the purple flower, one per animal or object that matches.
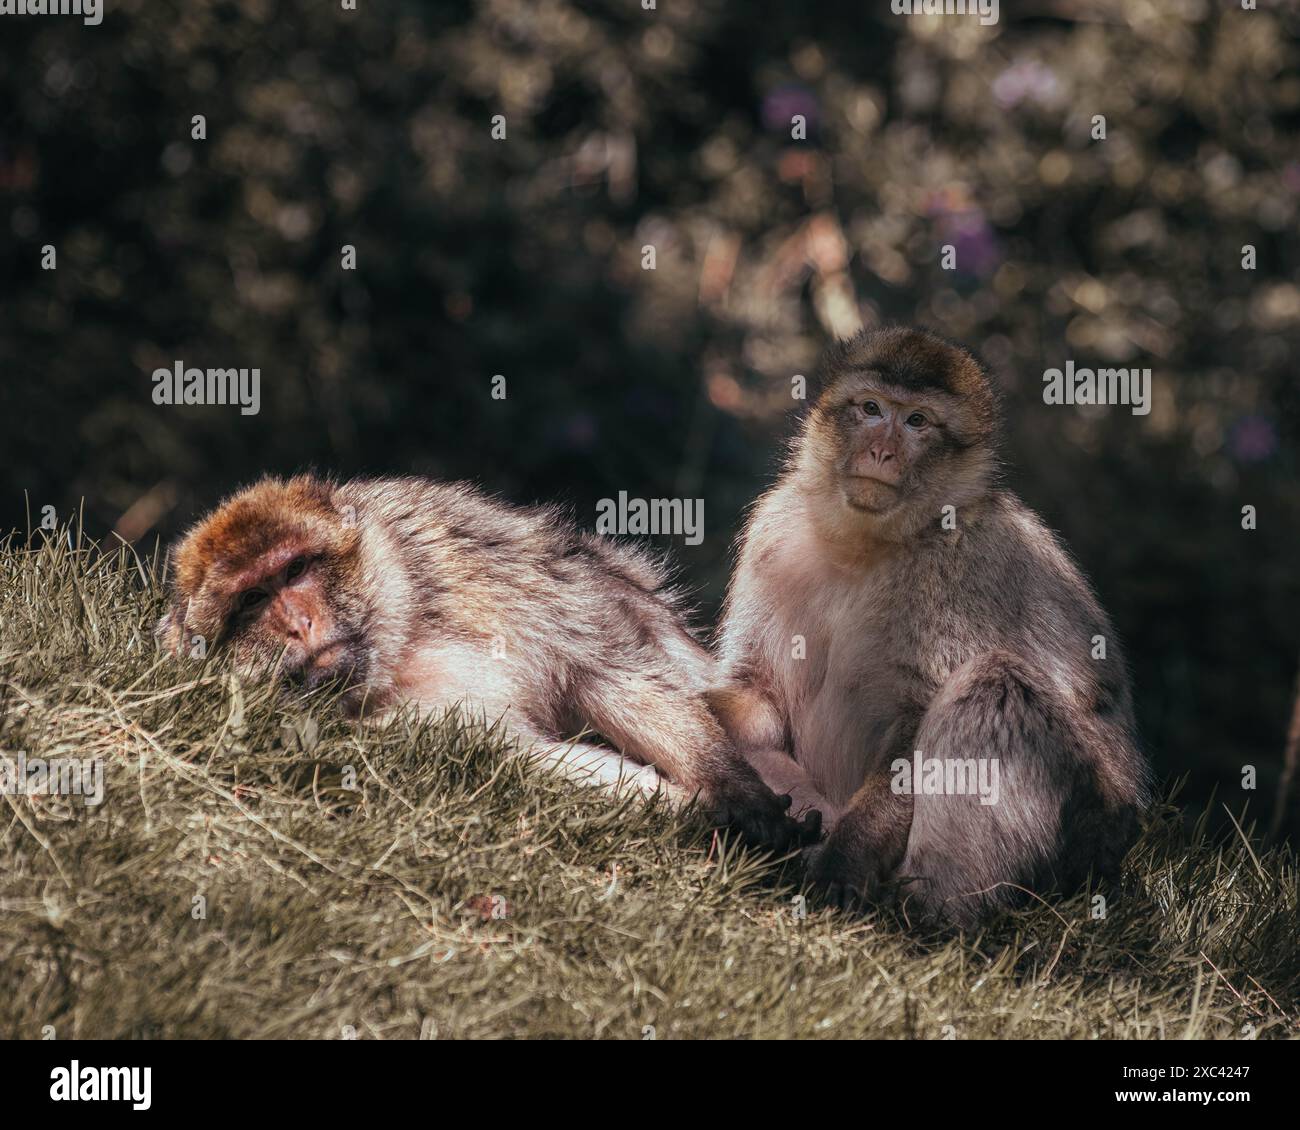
(1252, 439)
(783, 102)
(1028, 80)
(966, 227)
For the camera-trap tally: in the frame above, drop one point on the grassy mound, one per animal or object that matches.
(258, 868)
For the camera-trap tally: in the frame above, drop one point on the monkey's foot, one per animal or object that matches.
(844, 879)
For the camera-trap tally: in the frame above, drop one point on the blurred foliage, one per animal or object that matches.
(671, 127)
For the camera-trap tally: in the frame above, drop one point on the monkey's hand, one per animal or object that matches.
(740, 800)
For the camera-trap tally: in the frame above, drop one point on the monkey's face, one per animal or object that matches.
(883, 440)
(273, 575)
(906, 422)
(290, 614)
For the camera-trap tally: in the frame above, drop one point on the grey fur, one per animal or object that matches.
(973, 642)
(435, 595)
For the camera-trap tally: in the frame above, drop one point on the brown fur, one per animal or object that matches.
(410, 591)
(973, 642)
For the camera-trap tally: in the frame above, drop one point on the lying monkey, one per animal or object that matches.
(410, 591)
(890, 599)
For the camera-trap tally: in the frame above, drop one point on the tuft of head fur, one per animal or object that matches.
(918, 360)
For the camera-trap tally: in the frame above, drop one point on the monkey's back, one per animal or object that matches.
(483, 569)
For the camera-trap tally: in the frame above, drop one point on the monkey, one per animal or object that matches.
(409, 591)
(891, 600)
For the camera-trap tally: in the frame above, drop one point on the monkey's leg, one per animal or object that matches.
(1010, 761)
(1043, 817)
(468, 678)
(660, 720)
(969, 854)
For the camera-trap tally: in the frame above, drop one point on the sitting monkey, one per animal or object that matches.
(410, 591)
(890, 601)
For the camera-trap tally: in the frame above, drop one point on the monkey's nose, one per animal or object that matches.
(299, 627)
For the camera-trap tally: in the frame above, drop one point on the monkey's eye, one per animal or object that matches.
(916, 420)
(251, 599)
(870, 408)
(297, 567)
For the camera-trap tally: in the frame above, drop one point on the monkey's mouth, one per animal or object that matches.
(326, 658)
(871, 495)
(883, 480)
(336, 662)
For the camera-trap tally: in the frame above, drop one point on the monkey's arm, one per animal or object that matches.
(754, 723)
(786, 777)
(590, 764)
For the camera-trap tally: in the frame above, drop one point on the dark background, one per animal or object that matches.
(672, 127)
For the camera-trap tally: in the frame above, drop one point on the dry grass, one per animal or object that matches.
(456, 893)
